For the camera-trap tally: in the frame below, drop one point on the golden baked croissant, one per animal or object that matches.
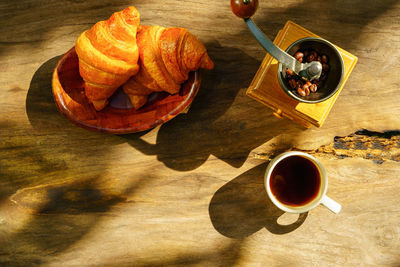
(166, 56)
(108, 55)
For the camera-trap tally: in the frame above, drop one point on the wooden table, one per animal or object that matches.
(191, 191)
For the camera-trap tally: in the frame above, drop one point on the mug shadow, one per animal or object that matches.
(242, 207)
(222, 120)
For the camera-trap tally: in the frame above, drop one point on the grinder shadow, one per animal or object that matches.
(242, 207)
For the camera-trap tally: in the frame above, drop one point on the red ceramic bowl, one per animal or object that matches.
(118, 117)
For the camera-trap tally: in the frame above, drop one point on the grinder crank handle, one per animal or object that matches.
(245, 9)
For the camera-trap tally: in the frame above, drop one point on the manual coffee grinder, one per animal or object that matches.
(270, 85)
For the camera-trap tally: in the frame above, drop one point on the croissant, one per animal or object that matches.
(108, 55)
(166, 56)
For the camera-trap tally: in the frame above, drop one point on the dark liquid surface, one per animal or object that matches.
(295, 181)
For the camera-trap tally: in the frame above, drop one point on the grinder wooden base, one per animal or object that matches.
(265, 87)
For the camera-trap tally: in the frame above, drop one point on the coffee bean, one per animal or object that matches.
(299, 56)
(325, 67)
(306, 88)
(314, 53)
(307, 91)
(289, 72)
(292, 83)
(313, 88)
(301, 92)
(324, 59)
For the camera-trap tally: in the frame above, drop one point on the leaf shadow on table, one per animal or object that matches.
(222, 120)
(54, 176)
(67, 209)
(32, 31)
(241, 207)
(341, 22)
(55, 216)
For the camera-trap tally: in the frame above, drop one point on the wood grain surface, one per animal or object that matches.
(190, 192)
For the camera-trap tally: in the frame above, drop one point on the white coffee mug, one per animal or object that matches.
(320, 198)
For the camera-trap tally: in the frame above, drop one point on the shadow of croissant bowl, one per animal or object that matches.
(119, 117)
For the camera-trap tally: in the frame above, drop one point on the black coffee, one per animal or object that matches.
(295, 181)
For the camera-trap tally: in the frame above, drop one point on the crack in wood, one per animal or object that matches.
(376, 146)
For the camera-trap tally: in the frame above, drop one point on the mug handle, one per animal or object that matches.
(331, 204)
